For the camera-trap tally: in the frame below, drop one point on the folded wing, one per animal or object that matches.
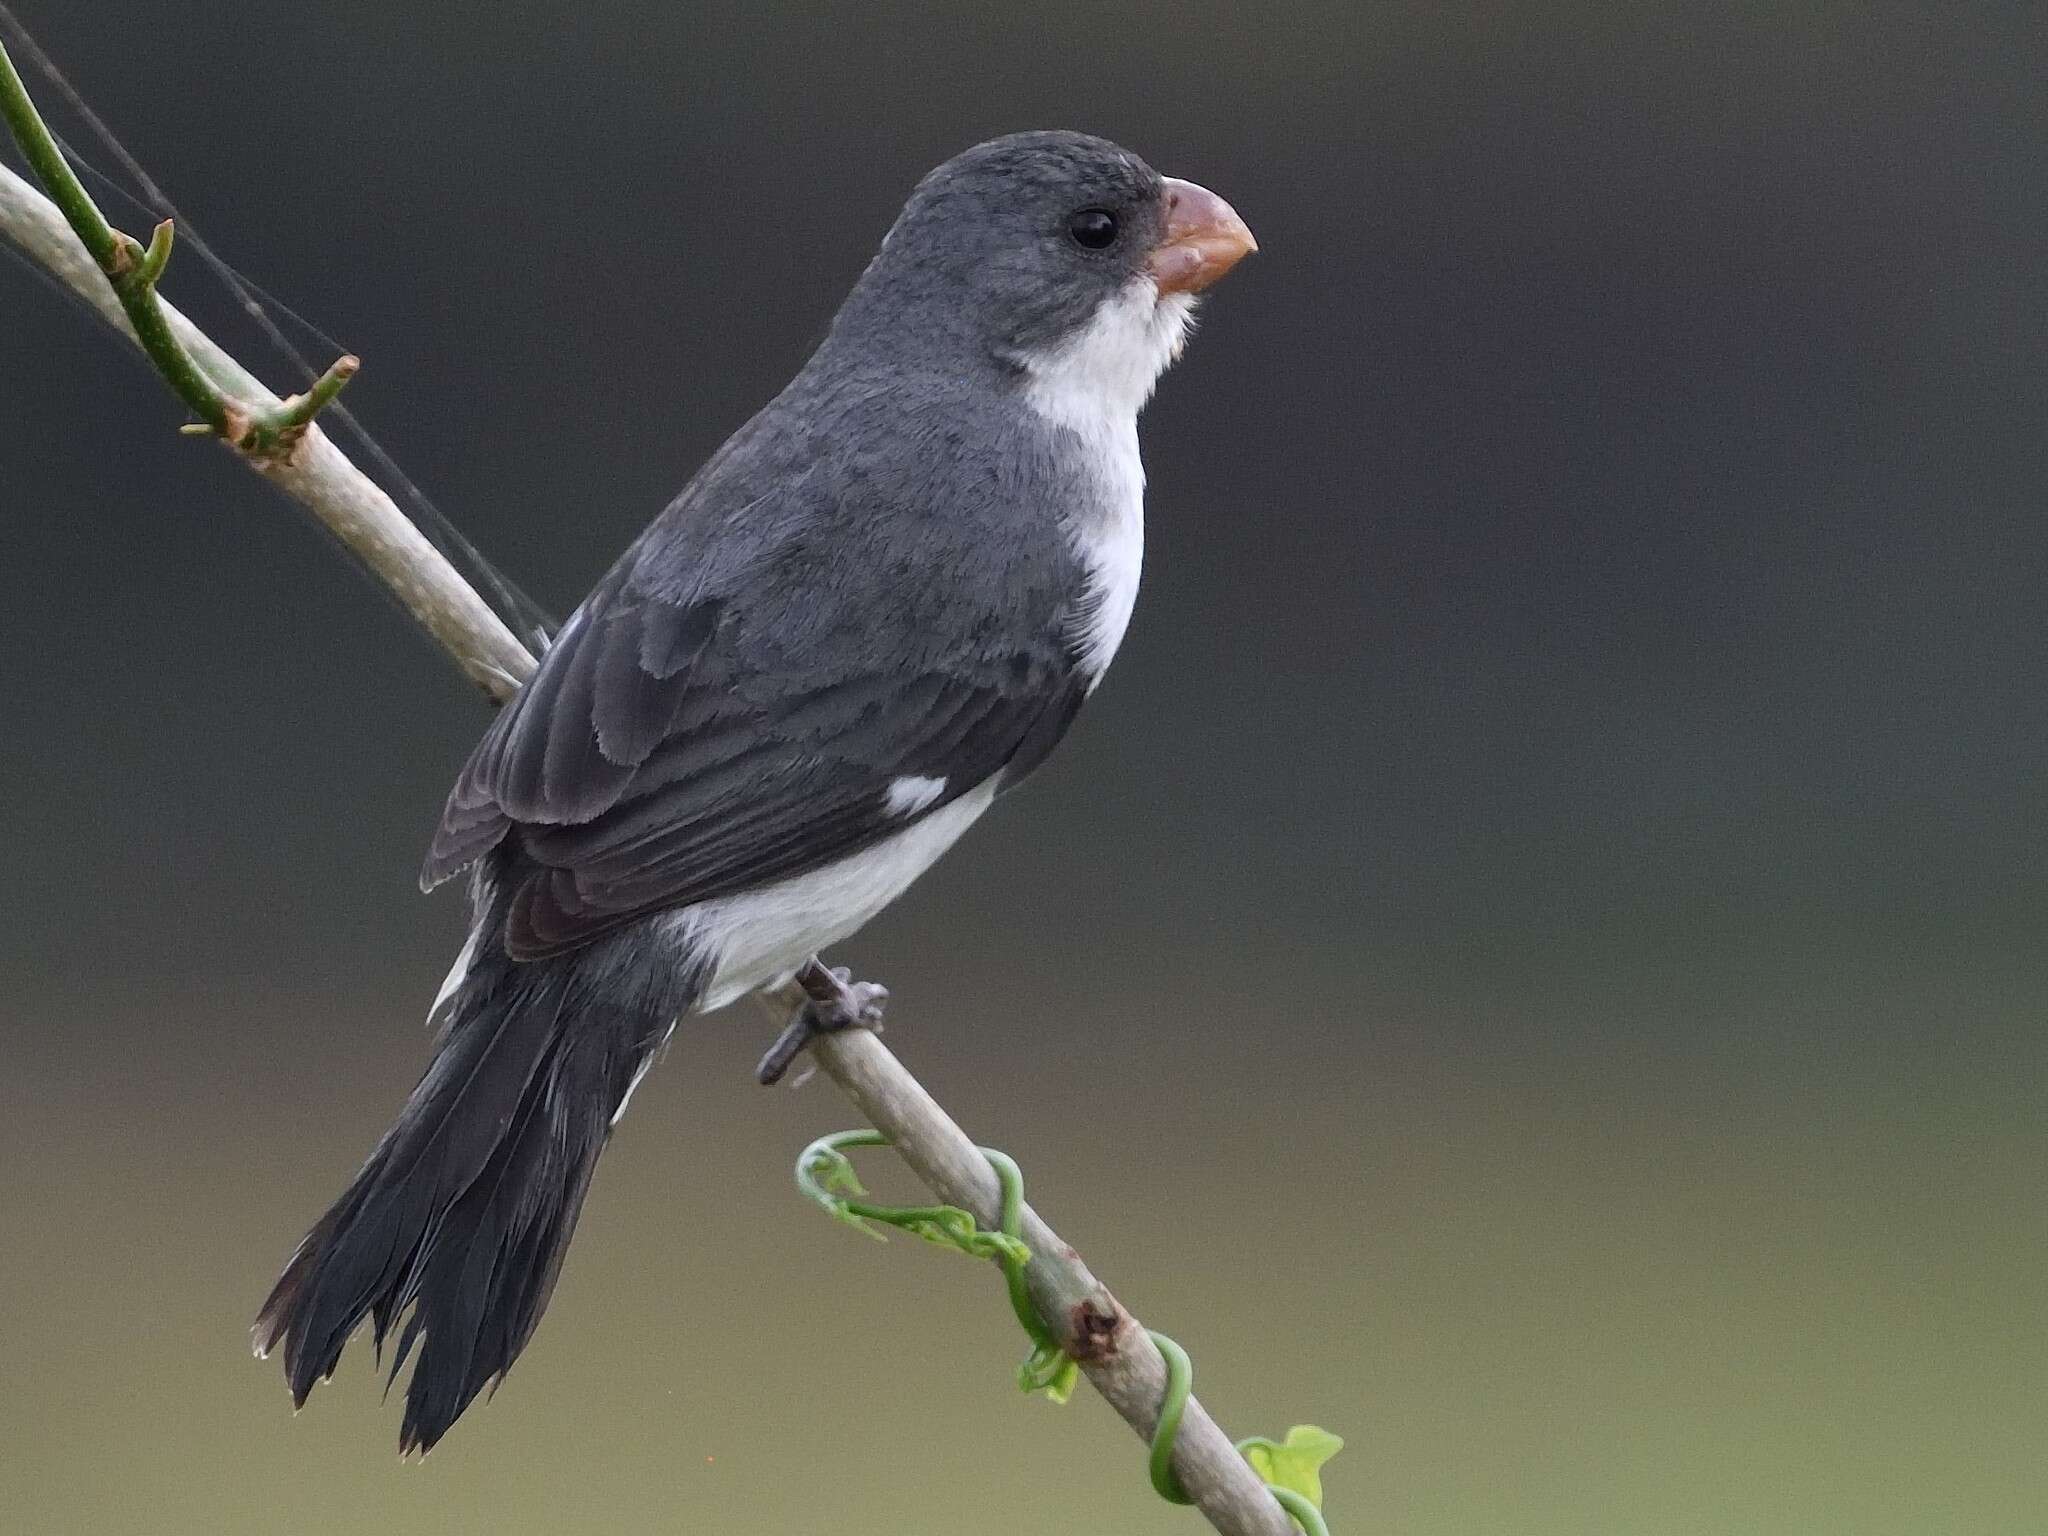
(674, 749)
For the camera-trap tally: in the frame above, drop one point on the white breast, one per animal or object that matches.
(1094, 386)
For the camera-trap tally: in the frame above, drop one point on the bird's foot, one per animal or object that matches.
(833, 1001)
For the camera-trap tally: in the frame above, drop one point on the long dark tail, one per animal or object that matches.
(460, 1219)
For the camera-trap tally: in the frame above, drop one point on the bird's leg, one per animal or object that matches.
(831, 1000)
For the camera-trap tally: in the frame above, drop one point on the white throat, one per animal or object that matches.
(1094, 386)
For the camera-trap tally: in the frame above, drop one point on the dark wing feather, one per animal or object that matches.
(666, 754)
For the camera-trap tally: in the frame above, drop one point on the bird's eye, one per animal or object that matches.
(1093, 229)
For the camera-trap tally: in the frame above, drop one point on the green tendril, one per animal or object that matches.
(1180, 1386)
(1288, 1468)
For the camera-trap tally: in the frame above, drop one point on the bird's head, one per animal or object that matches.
(1048, 252)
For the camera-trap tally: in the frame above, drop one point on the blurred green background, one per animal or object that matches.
(1533, 961)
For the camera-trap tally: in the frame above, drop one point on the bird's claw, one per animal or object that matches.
(833, 1001)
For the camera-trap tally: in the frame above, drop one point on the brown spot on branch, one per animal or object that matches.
(1094, 1329)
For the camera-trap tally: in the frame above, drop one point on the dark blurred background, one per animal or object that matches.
(1535, 961)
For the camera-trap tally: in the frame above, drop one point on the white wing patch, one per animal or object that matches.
(458, 973)
(911, 794)
(640, 1074)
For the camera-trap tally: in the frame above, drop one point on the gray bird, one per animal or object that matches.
(875, 609)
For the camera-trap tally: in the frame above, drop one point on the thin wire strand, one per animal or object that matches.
(521, 611)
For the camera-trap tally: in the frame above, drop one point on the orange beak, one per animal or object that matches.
(1204, 239)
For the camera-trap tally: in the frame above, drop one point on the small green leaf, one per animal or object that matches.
(946, 1225)
(1061, 1387)
(1295, 1462)
(834, 1170)
(1003, 1247)
(1051, 1371)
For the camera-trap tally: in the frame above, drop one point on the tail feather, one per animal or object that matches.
(459, 1221)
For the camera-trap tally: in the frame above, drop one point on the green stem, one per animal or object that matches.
(129, 269)
(300, 410)
(133, 271)
(53, 170)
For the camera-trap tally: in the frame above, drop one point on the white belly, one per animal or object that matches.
(760, 937)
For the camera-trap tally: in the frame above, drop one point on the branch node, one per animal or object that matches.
(273, 435)
(1094, 1330)
(124, 258)
(157, 257)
